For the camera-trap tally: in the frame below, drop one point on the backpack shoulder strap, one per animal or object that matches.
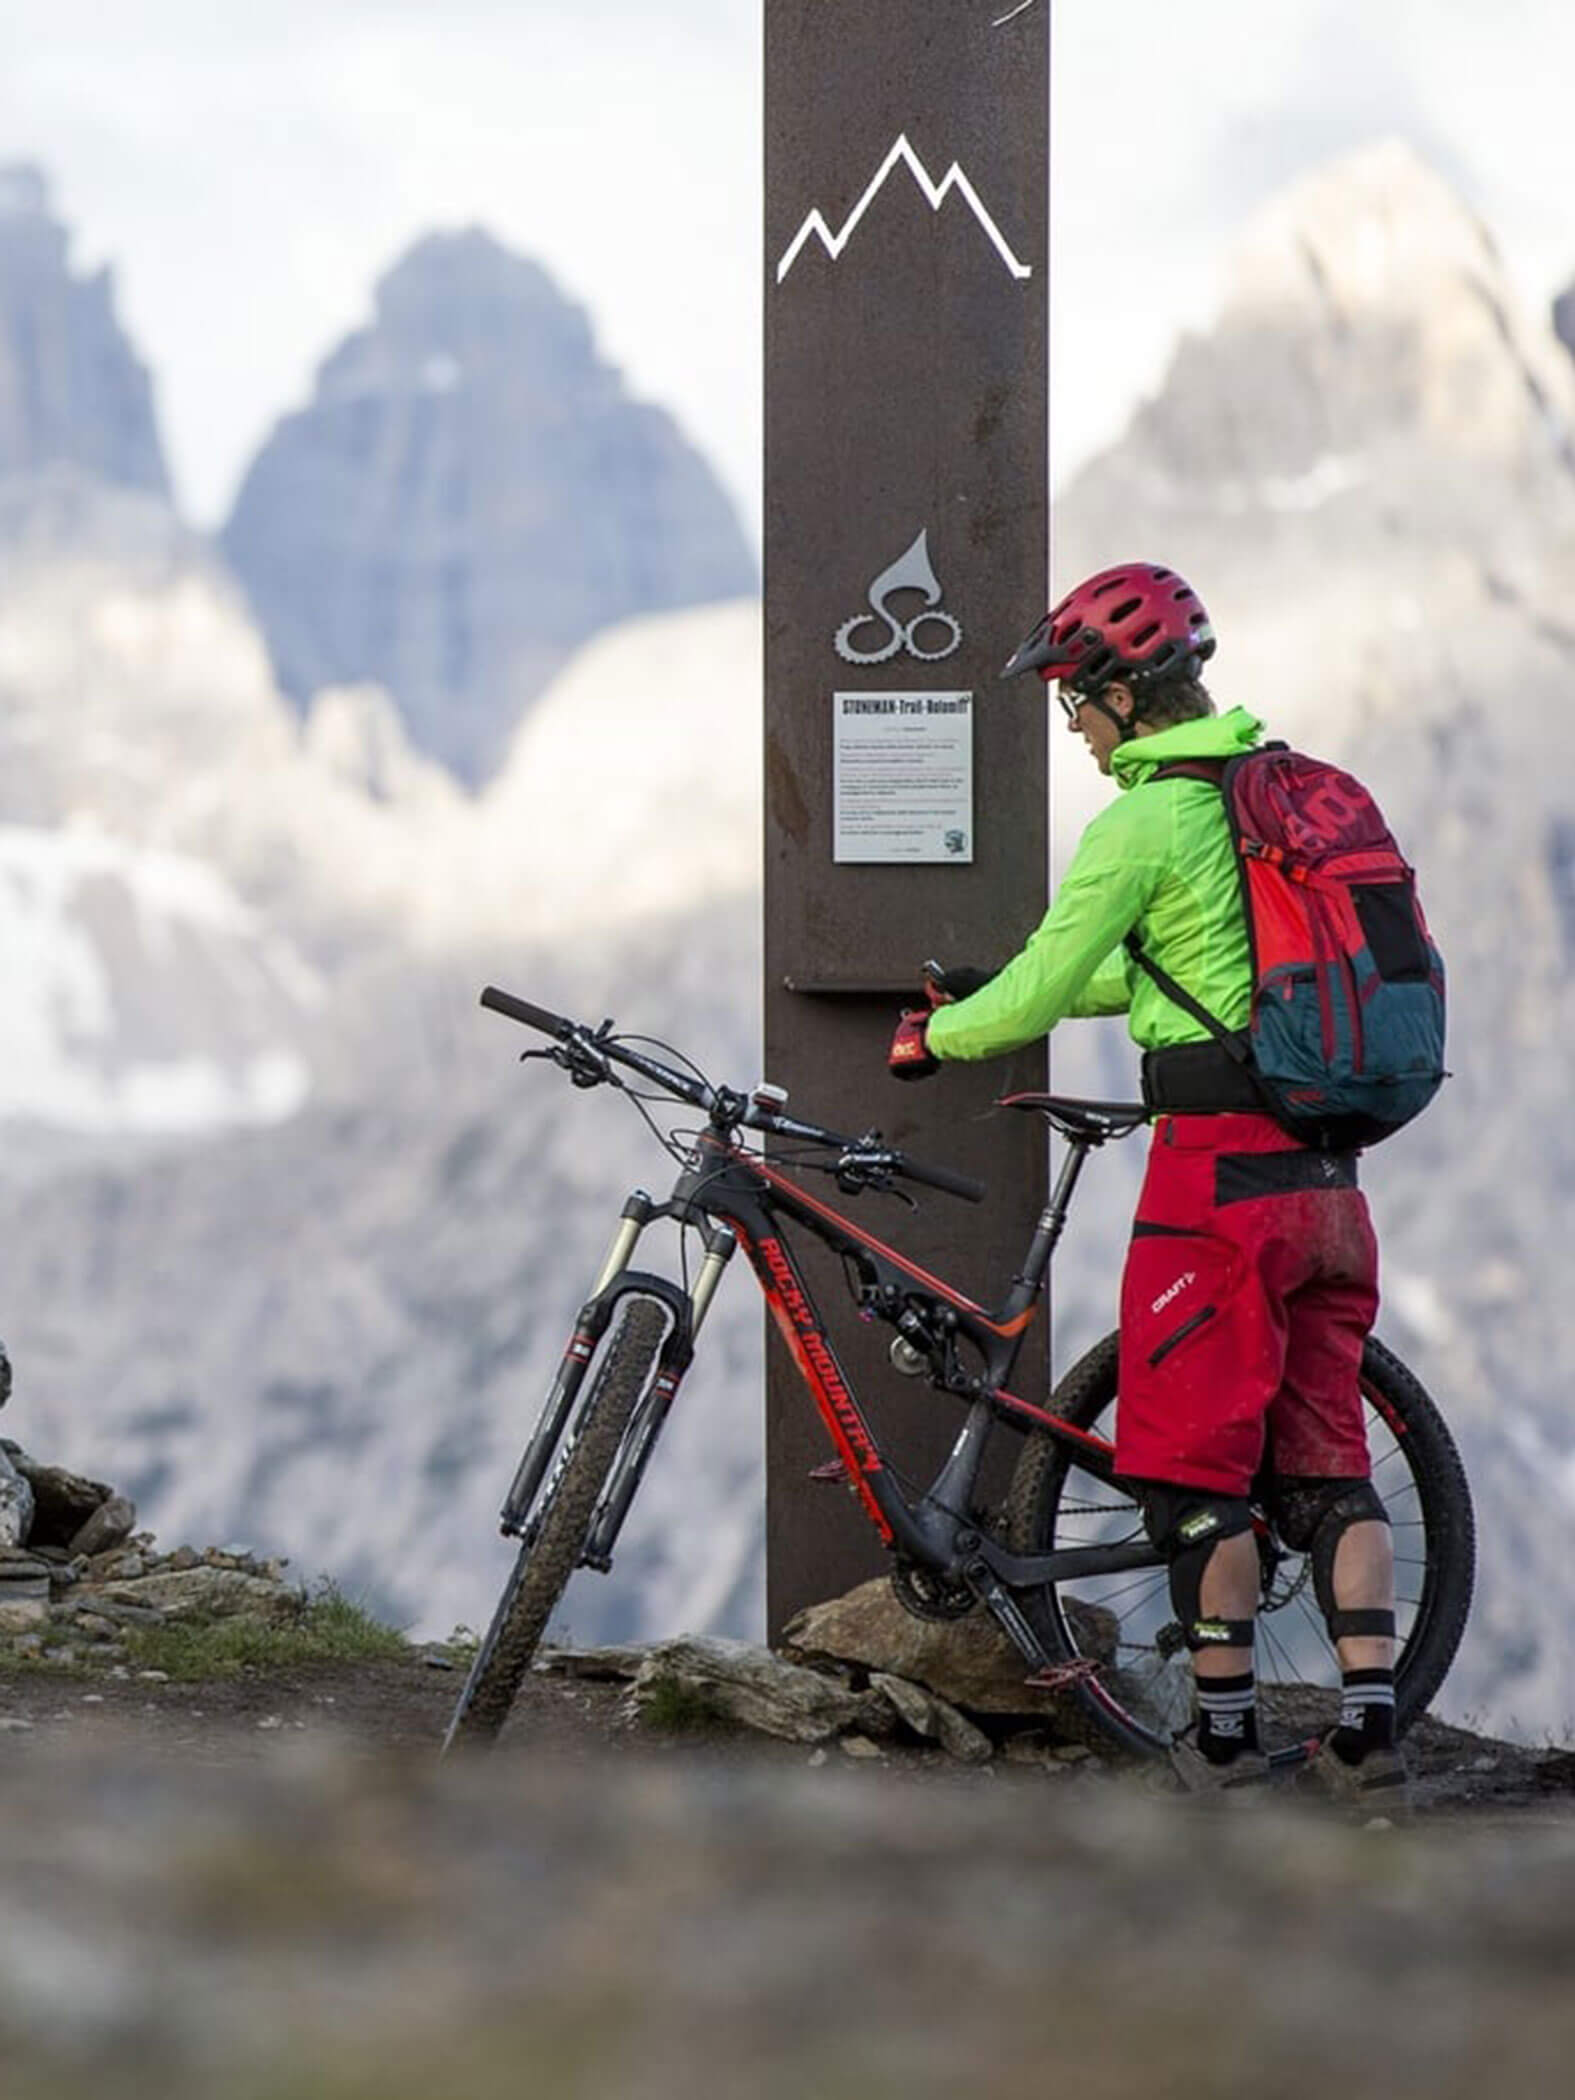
(1210, 769)
(1233, 1045)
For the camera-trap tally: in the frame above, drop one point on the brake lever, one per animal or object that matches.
(584, 1067)
(855, 1174)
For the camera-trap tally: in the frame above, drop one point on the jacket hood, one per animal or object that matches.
(1210, 736)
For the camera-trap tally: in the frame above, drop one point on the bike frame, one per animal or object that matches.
(736, 1198)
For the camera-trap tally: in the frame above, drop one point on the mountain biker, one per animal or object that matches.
(1250, 1281)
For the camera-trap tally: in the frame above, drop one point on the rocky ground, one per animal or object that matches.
(261, 1882)
(267, 1885)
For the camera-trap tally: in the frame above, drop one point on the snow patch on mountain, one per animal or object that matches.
(142, 995)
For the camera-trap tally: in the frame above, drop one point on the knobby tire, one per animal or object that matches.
(559, 1528)
(1053, 1503)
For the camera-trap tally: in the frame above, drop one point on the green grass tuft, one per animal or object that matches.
(679, 1708)
(326, 1627)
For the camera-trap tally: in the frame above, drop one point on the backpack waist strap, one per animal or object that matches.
(1199, 1079)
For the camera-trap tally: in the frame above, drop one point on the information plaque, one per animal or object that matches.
(902, 777)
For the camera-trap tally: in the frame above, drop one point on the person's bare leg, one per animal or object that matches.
(1229, 1591)
(1364, 1580)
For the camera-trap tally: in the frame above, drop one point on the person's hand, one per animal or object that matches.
(909, 1056)
(958, 981)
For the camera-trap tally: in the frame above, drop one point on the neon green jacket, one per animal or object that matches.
(1159, 859)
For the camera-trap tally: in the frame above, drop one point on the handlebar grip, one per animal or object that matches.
(942, 1178)
(522, 1010)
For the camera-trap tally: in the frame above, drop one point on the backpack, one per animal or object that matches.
(1346, 1038)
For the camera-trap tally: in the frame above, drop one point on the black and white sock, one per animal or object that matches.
(1227, 1717)
(1367, 1715)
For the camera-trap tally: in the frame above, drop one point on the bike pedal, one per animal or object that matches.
(832, 1474)
(1062, 1677)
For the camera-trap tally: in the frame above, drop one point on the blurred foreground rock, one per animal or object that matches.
(329, 1923)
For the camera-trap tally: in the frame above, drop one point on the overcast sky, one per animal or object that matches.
(251, 169)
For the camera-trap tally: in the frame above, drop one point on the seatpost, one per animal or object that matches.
(1047, 1233)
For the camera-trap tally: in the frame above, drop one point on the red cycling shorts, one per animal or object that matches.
(1250, 1286)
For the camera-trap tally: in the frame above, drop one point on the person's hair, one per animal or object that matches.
(1175, 696)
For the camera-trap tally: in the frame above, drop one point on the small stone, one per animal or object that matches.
(1483, 1764)
(928, 1714)
(271, 1721)
(153, 1676)
(120, 1671)
(206, 1591)
(110, 1525)
(1030, 1746)
(1072, 1753)
(122, 1611)
(126, 1567)
(13, 1724)
(859, 1746)
(184, 1557)
(434, 1660)
(817, 1758)
(92, 1698)
(16, 1504)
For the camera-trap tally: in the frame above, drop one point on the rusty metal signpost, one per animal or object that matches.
(906, 545)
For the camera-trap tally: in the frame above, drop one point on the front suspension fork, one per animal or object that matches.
(615, 1280)
(634, 1453)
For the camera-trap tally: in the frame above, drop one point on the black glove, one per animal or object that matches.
(909, 1056)
(959, 981)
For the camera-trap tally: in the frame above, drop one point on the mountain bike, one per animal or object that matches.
(1063, 1566)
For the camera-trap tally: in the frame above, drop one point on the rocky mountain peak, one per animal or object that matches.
(1564, 317)
(464, 297)
(72, 390)
(470, 495)
(1377, 228)
(1367, 307)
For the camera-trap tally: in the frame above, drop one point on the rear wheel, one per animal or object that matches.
(1141, 1689)
(558, 1528)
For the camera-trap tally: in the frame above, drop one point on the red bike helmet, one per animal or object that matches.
(1134, 623)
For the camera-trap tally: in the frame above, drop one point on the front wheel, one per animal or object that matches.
(1139, 1685)
(559, 1528)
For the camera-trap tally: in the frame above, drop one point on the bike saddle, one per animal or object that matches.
(1089, 1122)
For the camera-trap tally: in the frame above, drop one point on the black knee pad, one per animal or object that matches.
(1312, 1516)
(1186, 1524)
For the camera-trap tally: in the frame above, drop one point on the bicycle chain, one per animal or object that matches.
(927, 1595)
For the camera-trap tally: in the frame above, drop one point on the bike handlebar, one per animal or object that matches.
(941, 1178)
(709, 1098)
(522, 1010)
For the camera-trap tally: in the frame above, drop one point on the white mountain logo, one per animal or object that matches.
(936, 192)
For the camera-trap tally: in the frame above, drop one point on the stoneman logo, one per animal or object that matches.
(1175, 1290)
(875, 637)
